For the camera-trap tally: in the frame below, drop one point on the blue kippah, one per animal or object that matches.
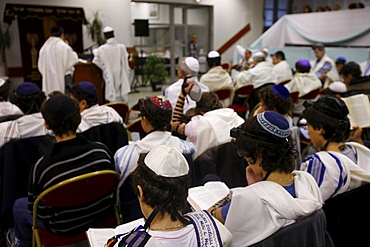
(341, 59)
(274, 123)
(88, 87)
(27, 88)
(280, 91)
(304, 63)
(60, 105)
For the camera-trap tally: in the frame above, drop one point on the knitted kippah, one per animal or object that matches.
(88, 87)
(60, 105)
(27, 88)
(274, 123)
(161, 103)
(192, 64)
(280, 91)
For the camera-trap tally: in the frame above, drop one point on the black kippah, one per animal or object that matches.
(330, 106)
(60, 105)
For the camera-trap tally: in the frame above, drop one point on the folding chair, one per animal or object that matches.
(224, 94)
(226, 66)
(241, 95)
(132, 113)
(135, 126)
(80, 190)
(120, 107)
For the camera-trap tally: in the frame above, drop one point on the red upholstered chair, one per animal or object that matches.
(120, 107)
(132, 113)
(242, 92)
(294, 96)
(226, 66)
(223, 93)
(76, 191)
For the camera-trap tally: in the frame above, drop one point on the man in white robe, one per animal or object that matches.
(304, 82)
(322, 65)
(92, 114)
(6, 107)
(260, 74)
(56, 61)
(112, 59)
(281, 69)
(216, 77)
(186, 67)
(29, 98)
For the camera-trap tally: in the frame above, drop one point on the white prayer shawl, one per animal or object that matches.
(7, 109)
(259, 75)
(365, 68)
(217, 78)
(98, 115)
(315, 67)
(211, 129)
(172, 94)
(112, 59)
(282, 71)
(23, 127)
(259, 210)
(126, 157)
(56, 60)
(303, 83)
(353, 175)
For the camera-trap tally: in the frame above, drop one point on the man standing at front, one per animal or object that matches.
(56, 63)
(322, 65)
(112, 59)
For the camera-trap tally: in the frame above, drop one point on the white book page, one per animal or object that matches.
(219, 189)
(200, 198)
(359, 110)
(98, 237)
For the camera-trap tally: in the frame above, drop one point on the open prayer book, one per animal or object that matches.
(359, 110)
(212, 193)
(98, 237)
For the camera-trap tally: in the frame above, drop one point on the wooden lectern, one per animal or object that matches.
(88, 71)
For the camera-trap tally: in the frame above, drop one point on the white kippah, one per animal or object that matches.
(2, 82)
(338, 87)
(213, 54)
(259, 54)
(166, 161)
(266, 50)
(192, 64)
(107, 29)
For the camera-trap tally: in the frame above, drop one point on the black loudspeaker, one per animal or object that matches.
(141, 28)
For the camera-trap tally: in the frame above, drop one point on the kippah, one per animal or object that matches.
(265, 50)
(280, 91)
(192, 64)
(166, 161)
(107, 29)
(304, 63)
(88, 87)
(259, 54)
(341, 60)
(274, 123)
(213, 54)
(161, 103)
(330, 106)
(2, 82)
(338, 87)
(27, 88)
(60, 105)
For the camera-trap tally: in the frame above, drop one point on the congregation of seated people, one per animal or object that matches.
(287, 182)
